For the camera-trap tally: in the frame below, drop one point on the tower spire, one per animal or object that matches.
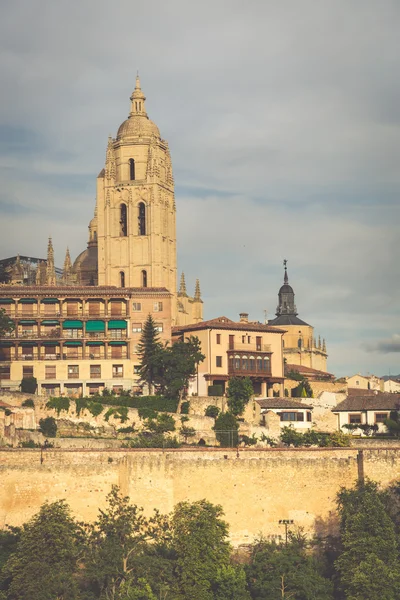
(285, 278)
(182, 286)
(138, 100)
(67, 268)
(197, 293)
(50, 269)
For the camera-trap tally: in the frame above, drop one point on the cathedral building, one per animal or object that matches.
(88, 318)
(300, 347)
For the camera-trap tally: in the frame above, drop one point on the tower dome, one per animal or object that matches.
(138, 123)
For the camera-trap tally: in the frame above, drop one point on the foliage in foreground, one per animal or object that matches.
(291, 437)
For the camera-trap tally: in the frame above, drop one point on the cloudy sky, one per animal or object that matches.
(283, 124)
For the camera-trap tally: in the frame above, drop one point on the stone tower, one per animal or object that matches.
(136, 231)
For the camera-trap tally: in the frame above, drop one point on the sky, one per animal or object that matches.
(283, 121)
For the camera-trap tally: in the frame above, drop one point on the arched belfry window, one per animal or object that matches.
(123, 220)
(142, 218)
(144, 278)
(131, 169)
(121, 279)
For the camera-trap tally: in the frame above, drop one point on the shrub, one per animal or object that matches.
(147, 413)
(28, 403)
(212, 411)
(161, 424)
(226, 430)
(129, 429)
(215, 390)
(48, 427)
(29, 444)
(248, 441)
(153, 440)
(29, 385)
(185, 407)
(187, 432)
(120, 412)
(58, 404)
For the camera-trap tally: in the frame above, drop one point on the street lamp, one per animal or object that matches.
(286, 522)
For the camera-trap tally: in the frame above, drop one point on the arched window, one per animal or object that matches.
(121, 279)
(244, 363)
(237, 362)
(131, 169)
(142, 218)
(144, 278)
(259, 363)
(123, 220)
(252, 363)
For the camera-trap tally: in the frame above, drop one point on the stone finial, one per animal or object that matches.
(137, 100)
(285, 277)
(323, 345)
(67, 268)
(319, 342)
(197, 293)
(182, 286)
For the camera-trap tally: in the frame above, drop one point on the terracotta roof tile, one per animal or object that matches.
(225, 323)
(374, 401)
(282, 403)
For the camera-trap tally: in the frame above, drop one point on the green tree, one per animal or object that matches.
(289, 571)
(202, 563)
(6, 324)
(45, 562)
(120, 533)
(239, 392)
(393, 423)
(368, 564)
(226, 430)
(212, 411)
(179, 365)
(48, 427)
(149, 351)
(303, 390)
(29, 385)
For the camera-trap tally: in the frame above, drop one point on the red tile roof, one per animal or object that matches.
(282, 403)
(225, 323)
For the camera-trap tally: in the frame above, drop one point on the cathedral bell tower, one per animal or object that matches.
(136, 231)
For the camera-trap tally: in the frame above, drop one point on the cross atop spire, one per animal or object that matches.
(137, 100)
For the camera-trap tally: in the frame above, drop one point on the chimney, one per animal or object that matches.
(244, 317)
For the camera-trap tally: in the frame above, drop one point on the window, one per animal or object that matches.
(117, 334)
(144, 278)
(309, 417)
(27, 371)
(218, 338)
(123, 220)
(237, 362)
(243, 339)
(95, 371)
(231, 342)
(245, 363)
(73, 372)
(4, 372)
(291, 416)
(258, 343)
(122, 279)
(357, 382)
(159, 327)
(50, 372)
(136, 369)
(252, 363)
(118, 371)
(136, 327)
(218, 360)
(355, 418)
(131, 169)
(158, 306)
(137, 306)
(259, 363)
(249, 339)
(142, 218)
(381, 417)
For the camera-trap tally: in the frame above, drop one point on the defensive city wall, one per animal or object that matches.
(256, 488)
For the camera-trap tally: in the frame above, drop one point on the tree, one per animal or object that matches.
(120, 533)
(212, 411)
(149, 350)
(48, 427)
(393, 423)
(44, 564)
(289, 571)
(368, 564)
(303, 390)
(226, 430)
(29, 385)
(179, 364)
(6, 324)
(200, 545)
(240, 390)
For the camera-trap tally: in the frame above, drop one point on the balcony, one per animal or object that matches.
(252, 347)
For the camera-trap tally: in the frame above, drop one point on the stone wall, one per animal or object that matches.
(255, 487)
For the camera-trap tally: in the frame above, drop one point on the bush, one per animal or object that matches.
(147, 413)
(28, 403)
(153, 440)
(226, 430)
(29, 444)
(29, 385)
(291, 437)
(120, 412)
(129, 429)
(161, 424)
(212, 411)
(215, 390)
(48, 427)
(185, 407)
(248, 441)
(95, 408)
(58, 404)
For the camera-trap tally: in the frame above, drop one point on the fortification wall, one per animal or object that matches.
(255, 487)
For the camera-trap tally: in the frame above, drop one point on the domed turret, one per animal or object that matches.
(138, 123)
(286, 311)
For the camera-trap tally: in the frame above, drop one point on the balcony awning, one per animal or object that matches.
(94, 343)
(117, 343)
(28, 301)
(27, 322)
(6, 301)
(50, 343)
(73, 343)
(72, 325)
(28, 344)
(50, 301)
(6, 344)
(95, 326)
(117, 325)
(49, 322)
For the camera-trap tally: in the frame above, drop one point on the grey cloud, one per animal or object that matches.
(386, 346)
